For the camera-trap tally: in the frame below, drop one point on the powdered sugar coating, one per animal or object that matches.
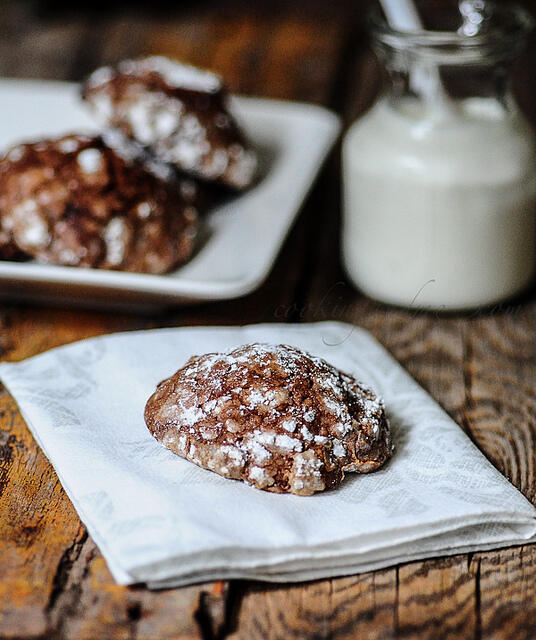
(273, 416)
(178, 112)
(90, 160)
(83, 201)
(175, 73)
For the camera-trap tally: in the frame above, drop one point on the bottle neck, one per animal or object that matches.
(434, 85)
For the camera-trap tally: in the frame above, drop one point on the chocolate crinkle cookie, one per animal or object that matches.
(81, 201)
(176, 111)
(273, 416)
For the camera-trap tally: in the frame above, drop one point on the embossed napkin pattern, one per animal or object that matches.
(161, 520)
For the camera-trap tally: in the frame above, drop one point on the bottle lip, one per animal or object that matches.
(488, 32)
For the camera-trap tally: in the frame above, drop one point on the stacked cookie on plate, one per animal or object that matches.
(130, 198)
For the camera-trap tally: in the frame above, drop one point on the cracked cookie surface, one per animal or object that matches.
(80, 201)
(176, 111)
(272, 416)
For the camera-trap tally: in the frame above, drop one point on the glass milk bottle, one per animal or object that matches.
(440, 174)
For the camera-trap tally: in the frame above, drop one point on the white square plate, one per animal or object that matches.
(243, 236)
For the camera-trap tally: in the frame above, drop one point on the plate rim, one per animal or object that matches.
(162, 285)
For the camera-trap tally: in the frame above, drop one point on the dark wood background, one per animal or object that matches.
(481, 367)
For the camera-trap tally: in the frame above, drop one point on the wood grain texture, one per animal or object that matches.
(432, 599)
(72, 594)
(506, 587)
(89, 602)
(357, 607)
(481, 368)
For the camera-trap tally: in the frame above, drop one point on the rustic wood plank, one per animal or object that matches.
(356, 607)
(33, 48)
(37, 525)
(28, 331)
(89, 602)
(74, 594)
(506, 587)
(50, 571)
(481, 369)
(500, 375)
(435, 356)
(432, 599)
(436, 599)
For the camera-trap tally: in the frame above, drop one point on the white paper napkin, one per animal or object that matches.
(162, 520)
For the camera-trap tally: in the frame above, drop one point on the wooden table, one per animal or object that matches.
(481, 368)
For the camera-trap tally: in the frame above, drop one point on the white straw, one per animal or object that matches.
(402, 15)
